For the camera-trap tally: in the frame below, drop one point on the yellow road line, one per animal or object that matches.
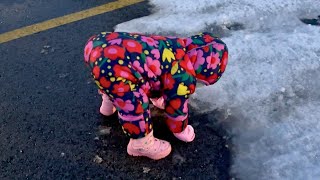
(52, 23)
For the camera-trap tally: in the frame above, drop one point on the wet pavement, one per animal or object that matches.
(19, 13)
(50, 127)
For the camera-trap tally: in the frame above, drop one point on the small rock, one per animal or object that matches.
(46, 49)
(97, 159)
(63, 75)
(227, 146)
(96, 138)
(104, 130)
(146, 170)
(62, 154)
(283, 89)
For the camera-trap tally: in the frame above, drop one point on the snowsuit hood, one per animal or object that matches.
(208, 55)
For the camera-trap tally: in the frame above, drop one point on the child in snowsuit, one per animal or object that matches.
(131, 70)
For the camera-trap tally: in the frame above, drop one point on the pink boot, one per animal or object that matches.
(149, 146)
(107, 107)
(159, 103)
(187, 135)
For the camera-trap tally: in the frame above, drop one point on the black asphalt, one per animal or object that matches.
(50, 126)
(19, 13)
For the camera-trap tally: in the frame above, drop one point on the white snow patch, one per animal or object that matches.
(270, 90)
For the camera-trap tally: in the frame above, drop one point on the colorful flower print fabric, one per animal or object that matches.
(131, 68)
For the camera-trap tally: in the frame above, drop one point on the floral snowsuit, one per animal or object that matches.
(131, 68)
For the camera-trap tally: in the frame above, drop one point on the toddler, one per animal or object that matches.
(131, 70)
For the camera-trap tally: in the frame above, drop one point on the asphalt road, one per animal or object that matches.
(50, 126)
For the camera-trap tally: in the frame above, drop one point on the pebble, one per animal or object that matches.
(146, 170)
(97, 159)
(46, 48)
(63, 75)
(104, 130)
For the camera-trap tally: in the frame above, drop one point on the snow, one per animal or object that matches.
(270, 90)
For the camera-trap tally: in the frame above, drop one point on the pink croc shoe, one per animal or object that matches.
(149, 146)
(187, 135)
(107, 107)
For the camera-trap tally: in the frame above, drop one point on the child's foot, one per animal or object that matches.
(149, 146)
(187, 135)
(107, 107)
(159, 103)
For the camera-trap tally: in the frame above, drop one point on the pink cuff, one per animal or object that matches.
(130, 117)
